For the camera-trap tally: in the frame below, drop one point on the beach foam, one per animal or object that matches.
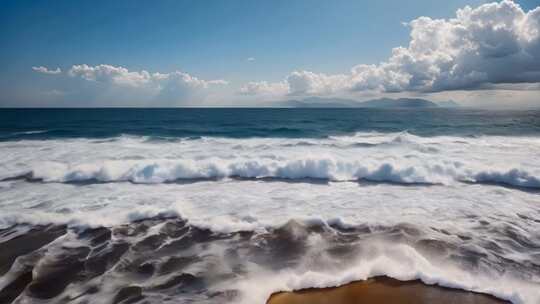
(460, 212)
(395, 158)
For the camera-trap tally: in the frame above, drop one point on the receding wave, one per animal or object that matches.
(166, 260)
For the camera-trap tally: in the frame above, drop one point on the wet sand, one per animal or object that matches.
(382, 290)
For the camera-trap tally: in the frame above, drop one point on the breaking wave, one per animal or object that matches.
(395, 158)
(162, 171)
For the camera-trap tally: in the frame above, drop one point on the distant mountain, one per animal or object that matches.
(318, 102)
(448, 104)
(398, 103)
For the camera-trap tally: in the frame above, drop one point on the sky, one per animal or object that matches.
(252, 53)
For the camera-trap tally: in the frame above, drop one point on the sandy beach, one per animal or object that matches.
(382, 290)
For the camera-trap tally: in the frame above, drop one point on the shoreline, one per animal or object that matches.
(160, 258)
(383, 290)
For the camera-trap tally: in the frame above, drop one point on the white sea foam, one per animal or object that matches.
(460, 204)
(397, 158)
(398, 261)
(396, 171)
(231, 205)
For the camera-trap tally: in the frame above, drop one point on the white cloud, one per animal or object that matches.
(123, 77)
(297, 83)
(264, 88)
(115, 85)
(45, 70)
(493, 44)
(159, 89)
(250, 59)
(110, 74)
(309, 83)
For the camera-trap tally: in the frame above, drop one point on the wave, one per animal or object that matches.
(164, 171)
(30, 132)
(400, 158)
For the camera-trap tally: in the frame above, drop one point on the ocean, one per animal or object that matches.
(232, 205)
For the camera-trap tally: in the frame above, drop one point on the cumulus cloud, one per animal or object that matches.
(106, 85)
(45, 70)
(493, 44)
(123, 77)
(309, 83)
(264, 88)
(175, 87)
(298, 83)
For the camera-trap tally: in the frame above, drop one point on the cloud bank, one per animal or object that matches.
(265, 88)
(493, 44)
(109, 85)
(121, 76)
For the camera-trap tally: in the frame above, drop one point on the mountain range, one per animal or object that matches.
(386, 103)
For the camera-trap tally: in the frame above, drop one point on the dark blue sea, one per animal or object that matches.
(239, 123)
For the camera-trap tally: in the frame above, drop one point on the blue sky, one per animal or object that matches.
(210, 40)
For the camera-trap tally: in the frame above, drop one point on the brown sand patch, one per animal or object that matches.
(382, 290)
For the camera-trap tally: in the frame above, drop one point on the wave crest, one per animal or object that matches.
(163, 171)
